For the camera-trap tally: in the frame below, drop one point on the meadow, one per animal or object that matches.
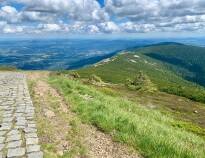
(149, 131)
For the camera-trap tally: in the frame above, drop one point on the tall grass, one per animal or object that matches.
(148, 131)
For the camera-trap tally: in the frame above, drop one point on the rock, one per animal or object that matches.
(31, 135)
(1, 146)
(15, 137)
(31, 141)
(14, 144)
(35, 155)
(196, 112)
(16, 152)
(49, 114)
(2, 133)
(2, 140)
(33, 148)
(30, 130)
(13, 132)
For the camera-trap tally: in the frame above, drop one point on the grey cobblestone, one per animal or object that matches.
(1, 146)
(31, 141)
(31, 135)
(16, 152)
(35, 155)
(33, 148)
(14, 144)
(2, 140)
(14, 137)
(18, 132)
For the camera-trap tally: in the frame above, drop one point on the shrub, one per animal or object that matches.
(141, 82)
(95, 79)
(74, 75)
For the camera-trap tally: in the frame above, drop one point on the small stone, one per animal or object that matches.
(21, 122)
(31, 141)
(1, 146)
(35, 155)
(49, 114)
(13, 132)
(33, 148)
(31, 135)
(32, 125)
(196, 112)
(14, 137)
(14, 144)
(2, 140)
(2, 133)
(7, 120)
(16, 152)
(5, 128)
(30, 130)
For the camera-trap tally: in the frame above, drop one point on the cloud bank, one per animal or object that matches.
(89, 17)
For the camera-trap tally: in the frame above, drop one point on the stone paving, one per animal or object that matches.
(18, 132)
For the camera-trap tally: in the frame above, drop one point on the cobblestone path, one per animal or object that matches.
(18, 132)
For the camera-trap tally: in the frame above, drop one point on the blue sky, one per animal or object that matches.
(103, 17)
(101, 2)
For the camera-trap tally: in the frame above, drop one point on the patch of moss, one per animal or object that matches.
(188, 126)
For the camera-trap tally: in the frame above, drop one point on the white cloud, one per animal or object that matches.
(87, 16)
(109, 27)
(12, 29)
(36, 16)
(93, 29)
(140, 28)
(9, 28)
(49, 27)
(10, 14)
(78, 10)
(162, 13)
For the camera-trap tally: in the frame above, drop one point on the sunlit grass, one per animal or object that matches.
(148, 131)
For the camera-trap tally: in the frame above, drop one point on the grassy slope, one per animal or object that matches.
(7, 68)
(147, 130)
(187, 60)
(168, 77)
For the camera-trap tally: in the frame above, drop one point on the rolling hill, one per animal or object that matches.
(174, 68)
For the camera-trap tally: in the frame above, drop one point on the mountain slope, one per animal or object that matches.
(187, 60)
(174, 68)
(152, 133)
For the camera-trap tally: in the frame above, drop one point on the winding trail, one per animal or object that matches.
(18, 132)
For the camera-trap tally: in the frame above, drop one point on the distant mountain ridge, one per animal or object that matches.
(157, 44)
(174, 67)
